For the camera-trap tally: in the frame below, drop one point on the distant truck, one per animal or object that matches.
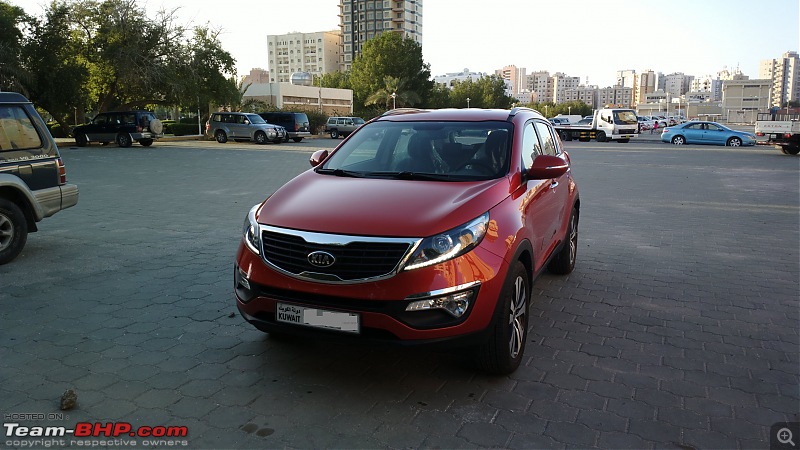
(778, 129)
(608, 124)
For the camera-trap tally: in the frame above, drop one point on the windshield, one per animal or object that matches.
(625, 117)
(442, 151)
(255, 118)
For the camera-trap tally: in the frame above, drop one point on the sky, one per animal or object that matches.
(590, 39)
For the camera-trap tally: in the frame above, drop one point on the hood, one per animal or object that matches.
(379, 207)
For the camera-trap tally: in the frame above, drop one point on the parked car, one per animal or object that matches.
(559, 120)
(33, 179)
(424, 226)
(660, 120)
(706, 133)
(241, 126)
(584, 121)
(122, 127)
(342, 126)
(295, 123)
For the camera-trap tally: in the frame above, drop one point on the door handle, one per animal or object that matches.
(553, 184)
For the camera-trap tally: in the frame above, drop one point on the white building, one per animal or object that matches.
(450, 79)
(316, 53)
(290, 96)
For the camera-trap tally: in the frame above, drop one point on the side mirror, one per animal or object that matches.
(317, 157)
(547, 166)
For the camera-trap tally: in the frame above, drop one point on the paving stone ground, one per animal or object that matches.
(678, 328)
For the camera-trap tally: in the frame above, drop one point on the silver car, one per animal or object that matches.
(241, 126)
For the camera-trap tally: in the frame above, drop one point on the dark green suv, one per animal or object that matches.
(122, 127)
(33, 180)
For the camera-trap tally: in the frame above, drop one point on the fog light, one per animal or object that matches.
(243, 280)
(456, 304)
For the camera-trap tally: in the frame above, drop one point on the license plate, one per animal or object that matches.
(318, 318)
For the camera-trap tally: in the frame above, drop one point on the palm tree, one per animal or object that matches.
(394, 93)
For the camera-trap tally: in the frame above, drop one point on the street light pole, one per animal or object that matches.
(394, 101)
(467, 102)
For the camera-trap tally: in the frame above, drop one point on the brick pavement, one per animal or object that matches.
(678, 328)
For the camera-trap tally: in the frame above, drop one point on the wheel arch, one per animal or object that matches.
(16, 196)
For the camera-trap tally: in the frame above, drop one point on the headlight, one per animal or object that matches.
(251, 231)
(271, 133)
(450, 244)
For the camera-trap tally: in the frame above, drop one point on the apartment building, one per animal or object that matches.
(515, 78)
(361, 20)
(742, 100)
(585, 94)
(315, 53)
(646, 83)
(784, 73)
(618, 96)
(541, 85)
(562, 83)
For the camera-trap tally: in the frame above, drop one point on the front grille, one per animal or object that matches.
(355, 260)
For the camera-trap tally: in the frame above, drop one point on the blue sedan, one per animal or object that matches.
(706, 133)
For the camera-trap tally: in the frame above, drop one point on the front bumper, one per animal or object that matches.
(380, 305)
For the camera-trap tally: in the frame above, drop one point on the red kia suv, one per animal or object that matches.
(422, 227)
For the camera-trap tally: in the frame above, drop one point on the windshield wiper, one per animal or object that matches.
(341, 173)
(407, 175)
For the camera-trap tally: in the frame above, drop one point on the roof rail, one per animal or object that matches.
(520, 108)
(396, 111)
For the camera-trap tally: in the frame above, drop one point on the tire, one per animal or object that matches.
(155, 126)
(80, 140)
(124, 140)
(297, 139)
(260, 137)
(734, 142)
(564, 261)
(678, 140)
(601, 136)
(334, 134)
(146, 142)
(502, 353)
(791, 149)
(13, 230)
(221, 137)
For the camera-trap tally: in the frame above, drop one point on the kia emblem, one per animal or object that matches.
(321, 259)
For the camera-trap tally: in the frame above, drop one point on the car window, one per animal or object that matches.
(624, 117)
(17, 132)
(694, 126)
(530, 145)
(100, 119)
(461, 150)
(255, 118)
(546, 139)
(128, 119)
(713, 127)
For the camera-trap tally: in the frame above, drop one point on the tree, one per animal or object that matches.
(50, 55)
(487, 92)
(12, 73)
(393, 94)
(389, 55)
(338, 80)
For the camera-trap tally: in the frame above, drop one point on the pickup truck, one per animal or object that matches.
(778, 129)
